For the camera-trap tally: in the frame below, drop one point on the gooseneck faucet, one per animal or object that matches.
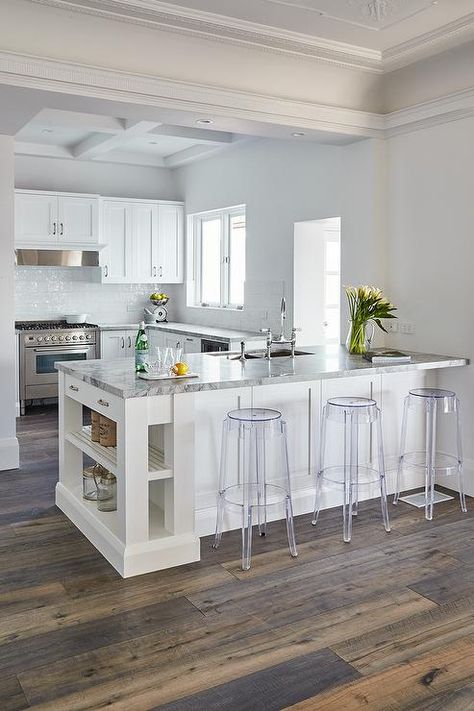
(281, 339)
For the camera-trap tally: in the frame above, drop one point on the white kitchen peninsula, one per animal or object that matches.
(168, 440)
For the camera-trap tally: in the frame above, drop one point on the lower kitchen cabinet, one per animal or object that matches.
(117, 344)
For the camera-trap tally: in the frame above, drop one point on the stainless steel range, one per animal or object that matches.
(42, 344)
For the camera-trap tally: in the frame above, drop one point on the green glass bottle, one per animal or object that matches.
(141, 349)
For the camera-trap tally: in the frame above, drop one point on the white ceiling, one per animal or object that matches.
(81, 136)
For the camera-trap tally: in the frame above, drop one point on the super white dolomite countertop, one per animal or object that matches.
(191, 329)
(218, 372)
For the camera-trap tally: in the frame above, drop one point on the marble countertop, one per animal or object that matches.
(218, 372)
(191, 329)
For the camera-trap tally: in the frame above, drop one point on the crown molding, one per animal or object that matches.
(85, 80)
(452, 107)
(211, 26)
(439, 40)
(215, 27)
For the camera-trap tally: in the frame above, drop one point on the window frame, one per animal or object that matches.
(195, 223)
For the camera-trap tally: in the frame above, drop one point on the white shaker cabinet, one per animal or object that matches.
(56, 219)
(170, 244)
(144, 242)
(117, 344)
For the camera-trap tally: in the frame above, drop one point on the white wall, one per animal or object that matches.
(8, 441)
(430, 250)
(114, 180)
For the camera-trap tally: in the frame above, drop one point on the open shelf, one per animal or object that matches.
(156, 522)
(107, 456)
(99, 519)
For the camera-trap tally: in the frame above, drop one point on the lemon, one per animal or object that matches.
(180, 368)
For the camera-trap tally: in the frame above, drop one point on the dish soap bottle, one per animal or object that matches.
(141, 349)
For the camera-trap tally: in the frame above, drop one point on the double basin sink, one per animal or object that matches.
(255, 355)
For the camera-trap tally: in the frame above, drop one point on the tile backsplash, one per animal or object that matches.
(52, 292)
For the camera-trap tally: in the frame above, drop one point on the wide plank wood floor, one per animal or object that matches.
(385, 623)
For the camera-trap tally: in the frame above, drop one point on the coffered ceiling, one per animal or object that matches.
(377, 35)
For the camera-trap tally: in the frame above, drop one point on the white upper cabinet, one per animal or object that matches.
(78, 220)
(53, 220)
(144, 242)
(170, 244)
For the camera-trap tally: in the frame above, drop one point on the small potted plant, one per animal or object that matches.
(367, 305)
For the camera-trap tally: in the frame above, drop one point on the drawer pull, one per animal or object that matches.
(104, 403)
(74, 387)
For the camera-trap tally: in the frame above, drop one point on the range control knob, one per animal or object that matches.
(47, 338)
(39, 338)
(74, 338)
(68, 338)
(88, 336)
(54, 338)
(81, 337)
(61, 338)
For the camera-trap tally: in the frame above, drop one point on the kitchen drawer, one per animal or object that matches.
(95, 398)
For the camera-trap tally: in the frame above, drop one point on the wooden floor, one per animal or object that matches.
(386, 622)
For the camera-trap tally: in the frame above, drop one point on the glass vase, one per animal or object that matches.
(357, 341)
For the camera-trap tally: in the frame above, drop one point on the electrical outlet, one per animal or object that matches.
(407, 328)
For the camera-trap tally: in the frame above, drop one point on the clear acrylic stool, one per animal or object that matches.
(254, 440)
(349, 413)
(432, 401)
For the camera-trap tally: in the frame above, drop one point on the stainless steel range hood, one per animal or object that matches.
(56, 258)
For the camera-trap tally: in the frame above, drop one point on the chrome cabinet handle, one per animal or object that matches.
(54, 228)
(104, 403)
(129, 342)
(161, 272)
(61, 228)
(190, 339)
(106, 271)
(73, 387)
(123, 342)
(154, 271)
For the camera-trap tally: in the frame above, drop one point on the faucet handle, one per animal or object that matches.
(265, 330)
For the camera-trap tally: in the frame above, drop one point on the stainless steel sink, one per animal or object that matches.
(256, 355)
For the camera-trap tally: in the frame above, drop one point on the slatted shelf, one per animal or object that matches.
(107, 456)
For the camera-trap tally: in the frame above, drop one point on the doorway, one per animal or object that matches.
(317, 281)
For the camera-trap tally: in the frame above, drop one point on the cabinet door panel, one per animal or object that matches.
(113, 344)
(170, 244)
(78, 219)
(190, 344)
(36, 218)
(115, 258)
(156, 338)
(145, 238)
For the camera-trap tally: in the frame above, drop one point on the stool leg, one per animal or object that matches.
(261, 478)
(355, 468)
(381, 464)
(290, 529)
(347, 506)
(401, 457)
(319, 475)
(246, 537)
(462, 496)
(430, 457)
(222, 475)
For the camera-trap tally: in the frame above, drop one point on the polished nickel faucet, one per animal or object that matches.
(280, 339)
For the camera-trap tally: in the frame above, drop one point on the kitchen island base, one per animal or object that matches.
(169, 438)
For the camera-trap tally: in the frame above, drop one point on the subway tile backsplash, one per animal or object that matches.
(52, 292)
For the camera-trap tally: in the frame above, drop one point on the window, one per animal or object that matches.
(218, 246)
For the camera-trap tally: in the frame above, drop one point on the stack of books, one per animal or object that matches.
(384, 356)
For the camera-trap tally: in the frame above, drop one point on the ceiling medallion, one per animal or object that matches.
(377, 9)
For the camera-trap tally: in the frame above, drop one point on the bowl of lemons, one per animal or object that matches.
(159, 299)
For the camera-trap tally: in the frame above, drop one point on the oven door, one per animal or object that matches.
(39, 362)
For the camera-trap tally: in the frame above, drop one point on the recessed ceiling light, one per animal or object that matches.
(204, 121)
(297, 134)
(46, 130)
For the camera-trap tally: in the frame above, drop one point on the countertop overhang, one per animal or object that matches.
(117, 377)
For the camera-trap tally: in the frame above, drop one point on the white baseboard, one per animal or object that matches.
(9, 454)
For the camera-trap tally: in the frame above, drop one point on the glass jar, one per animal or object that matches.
(106, 484)
(89, 489)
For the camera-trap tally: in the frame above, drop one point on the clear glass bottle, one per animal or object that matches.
(89, 488)
(106, 484)
(141, 349)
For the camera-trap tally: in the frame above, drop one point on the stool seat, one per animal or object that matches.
(349, 413)
(432, 402)
(254, 440)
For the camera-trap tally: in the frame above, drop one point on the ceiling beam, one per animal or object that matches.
(98, 144)
(45, 150)
(188, 155)
(198, 134)
(94, 123)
